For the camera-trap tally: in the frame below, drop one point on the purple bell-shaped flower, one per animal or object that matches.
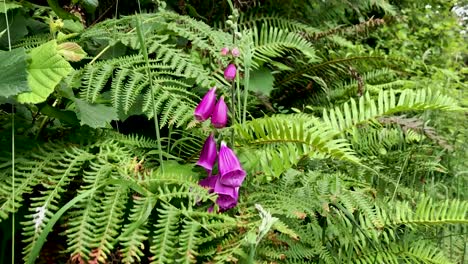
(230, 72)
(227, 195)
(209, 182)
(206, 105)
(219, 116)
(208, 153)
(230, 170)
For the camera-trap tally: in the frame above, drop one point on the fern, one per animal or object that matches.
(188, 243)
(291, 138)
(133, 237)
(323, 210)
(353, 113)
(108, 222)
(270, 42)
(163, 247)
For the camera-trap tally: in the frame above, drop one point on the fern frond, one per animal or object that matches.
(188, 244)
(163, 242)
(270, 42)
(107, 222)
(54, 176)
(130, 91)
(416, 252)
(82, 219)
(428, 212)
(388, 102)
(134, 243)
(297, 129)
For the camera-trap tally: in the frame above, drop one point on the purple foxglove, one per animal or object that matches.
(224, 51)
(230, 170)
(206, 105)
(235, 52)
(230, 72)
(208, 153)
(219, 116)
(227, 195)
(209, 182)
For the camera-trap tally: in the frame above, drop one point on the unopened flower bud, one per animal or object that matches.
(224, 51)
(230, 72)
(235, 52)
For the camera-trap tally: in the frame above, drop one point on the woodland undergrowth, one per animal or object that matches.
(343, 121)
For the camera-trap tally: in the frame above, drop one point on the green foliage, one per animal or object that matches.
(46, 70)
(94, 235)
(13, 72)
(352, 113)
(369, 168)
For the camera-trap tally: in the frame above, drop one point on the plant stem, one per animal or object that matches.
(251, 259)
(12, 148)
(246, 90)
(100, 54)
(148, 72)
(233, 111)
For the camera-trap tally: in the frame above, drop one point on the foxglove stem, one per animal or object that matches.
(233, 112)
(239, 101)
(246, 91)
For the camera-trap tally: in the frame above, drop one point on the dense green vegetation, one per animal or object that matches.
(346, 136)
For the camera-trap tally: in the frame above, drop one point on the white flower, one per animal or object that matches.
(428, 7)
(39, 216)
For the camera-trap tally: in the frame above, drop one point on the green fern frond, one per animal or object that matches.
(330, 71)
(388, 102)
(82, 219)
(188, 244)
(55, 177)
(31, 42)
(130, 91)
(270, 42)
(298, 129)
(133, 242)
(33, 169)
(107, 222)
(428, 212)
(416, 252)
(164, 240)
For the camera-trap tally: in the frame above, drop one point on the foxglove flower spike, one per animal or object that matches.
(206, 105)
(219, 116)
(230, 170)
(208, 153)
(227, 195)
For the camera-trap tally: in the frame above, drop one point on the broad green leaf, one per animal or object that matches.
(94, 115)
(46, 70)
(13, 74)
(71, 51)
(261, 81)
(90, 5)
(8, 6)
